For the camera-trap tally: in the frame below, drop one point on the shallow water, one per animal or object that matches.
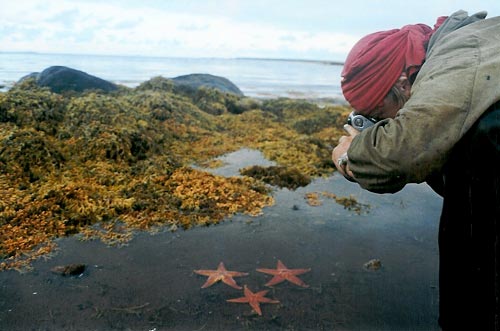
(150, 285)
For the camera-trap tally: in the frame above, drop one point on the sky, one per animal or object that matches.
(299, 29)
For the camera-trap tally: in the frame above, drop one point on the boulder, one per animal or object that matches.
(60, 79)
(195, 81)
(33, 75)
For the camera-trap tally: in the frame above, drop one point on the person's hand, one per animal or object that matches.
(340, 152)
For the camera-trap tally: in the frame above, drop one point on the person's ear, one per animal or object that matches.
(403, 84)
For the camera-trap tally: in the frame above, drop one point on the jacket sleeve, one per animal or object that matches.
(416, 143)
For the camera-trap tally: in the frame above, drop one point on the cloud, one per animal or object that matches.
(66, 18)
(112, 28)
(313, 29)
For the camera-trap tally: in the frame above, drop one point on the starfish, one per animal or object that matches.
(221, 274)
(282, 273)
(254, 299)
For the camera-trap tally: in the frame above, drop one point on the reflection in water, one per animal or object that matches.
(231, 163)
(150, 284)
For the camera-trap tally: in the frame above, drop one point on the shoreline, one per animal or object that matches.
(132, 152)
(142, 198)
(150, 284)
(294, 95)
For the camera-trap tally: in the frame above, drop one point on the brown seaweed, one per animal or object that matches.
(280, 176)
(348, 202)
(104, 165)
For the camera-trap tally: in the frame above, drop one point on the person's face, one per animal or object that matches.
(392, 104)
(388, 109)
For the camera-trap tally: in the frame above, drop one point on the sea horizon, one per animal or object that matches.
(280, 59)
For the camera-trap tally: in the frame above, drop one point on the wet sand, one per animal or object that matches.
(150, 285)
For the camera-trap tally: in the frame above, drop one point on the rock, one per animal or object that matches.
(60, 79)
(374, 264)
(195, 81)
(33, 75)
(69, 270)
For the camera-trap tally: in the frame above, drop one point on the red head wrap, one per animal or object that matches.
(376, 62)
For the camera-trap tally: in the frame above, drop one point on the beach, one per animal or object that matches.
(149, 284)
(141, 186)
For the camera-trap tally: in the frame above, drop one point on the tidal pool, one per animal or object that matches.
(150, 284)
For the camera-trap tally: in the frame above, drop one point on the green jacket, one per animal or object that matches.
(458, 82)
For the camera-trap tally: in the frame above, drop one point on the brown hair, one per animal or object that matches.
(397, 96)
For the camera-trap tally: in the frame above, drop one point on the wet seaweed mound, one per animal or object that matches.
(101, 165)
(280, 176)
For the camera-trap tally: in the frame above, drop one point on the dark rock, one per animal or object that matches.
(33, 75)
(69, 270)
(195, 81)
(60, 79)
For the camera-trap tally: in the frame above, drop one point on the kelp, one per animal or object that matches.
(104, 165)
(349, 203)
(280, 176)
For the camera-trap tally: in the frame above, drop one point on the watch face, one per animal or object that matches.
(360, 122)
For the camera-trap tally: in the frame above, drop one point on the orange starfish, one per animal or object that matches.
(221, 274)
(282, 273)
(254, 299)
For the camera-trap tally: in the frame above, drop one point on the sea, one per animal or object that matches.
(255, 77)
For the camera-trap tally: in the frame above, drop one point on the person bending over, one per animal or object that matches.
(434, 95)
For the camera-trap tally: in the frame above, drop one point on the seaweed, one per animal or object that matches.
(157, 83)
(349, 203)
(280, 176)
(103, 165)
(215, 102)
